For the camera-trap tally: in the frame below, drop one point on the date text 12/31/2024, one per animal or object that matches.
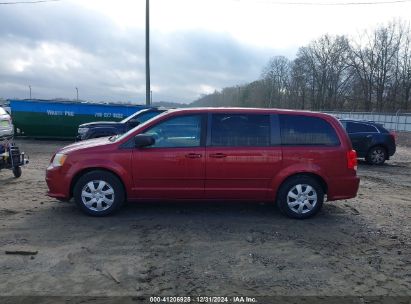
(203, 299)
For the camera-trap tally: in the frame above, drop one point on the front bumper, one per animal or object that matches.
(22, 160)
(6, 132)
(80, 137)
(58, 184)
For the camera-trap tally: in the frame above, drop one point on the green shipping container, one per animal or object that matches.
(60, 119)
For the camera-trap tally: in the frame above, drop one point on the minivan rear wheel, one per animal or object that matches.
(300, 197)
(99, 193)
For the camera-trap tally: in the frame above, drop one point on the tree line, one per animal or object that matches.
(371, 72)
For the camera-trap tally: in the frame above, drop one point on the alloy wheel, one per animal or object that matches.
(378, 156)
(302, 198)
(97, 195)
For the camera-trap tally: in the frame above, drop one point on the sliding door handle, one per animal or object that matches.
(218, 155)
(193, 155)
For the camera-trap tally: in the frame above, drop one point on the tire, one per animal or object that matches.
(376, 155)
(99, 193)
(17, 172)
(300, 197)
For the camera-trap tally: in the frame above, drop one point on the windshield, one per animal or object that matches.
(132, 116)
(121, 136)
(141, 116)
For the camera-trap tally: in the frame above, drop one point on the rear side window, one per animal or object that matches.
(356, 127)
(240, 130)
(306, 130)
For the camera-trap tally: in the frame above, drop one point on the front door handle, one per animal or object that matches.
(218, 155)
(193, 155)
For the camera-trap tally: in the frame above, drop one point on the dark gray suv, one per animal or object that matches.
(371, 140)
(109, 128)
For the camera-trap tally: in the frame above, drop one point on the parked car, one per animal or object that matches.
(371, 140)
(109, 128)
(293, 158)
(6, 125)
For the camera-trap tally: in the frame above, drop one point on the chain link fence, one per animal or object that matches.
(392, 121)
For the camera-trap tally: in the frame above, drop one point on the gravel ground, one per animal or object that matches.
(354, 247)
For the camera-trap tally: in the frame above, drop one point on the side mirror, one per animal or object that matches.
(133, 123)
(142, 140)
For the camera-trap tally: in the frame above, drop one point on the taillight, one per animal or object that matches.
(393, 135)
(352, 160)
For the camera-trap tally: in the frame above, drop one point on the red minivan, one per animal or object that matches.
(293, 158)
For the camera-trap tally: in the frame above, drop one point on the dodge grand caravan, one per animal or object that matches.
(292, 158)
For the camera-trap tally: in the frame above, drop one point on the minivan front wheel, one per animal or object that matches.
(300, 197)
(98, 193)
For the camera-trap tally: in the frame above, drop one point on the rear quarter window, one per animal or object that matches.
(382, 129)
(297, 130)
(358, 127)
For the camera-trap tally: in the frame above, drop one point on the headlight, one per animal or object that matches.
(82, 130)
(59, 160)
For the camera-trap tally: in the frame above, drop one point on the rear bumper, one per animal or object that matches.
(391, 150)
(343, 188)
(58, 184)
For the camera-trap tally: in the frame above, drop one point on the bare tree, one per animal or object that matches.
(405, 70)
(276, 76)
(327, 70)
(371, 72)
(376, 61)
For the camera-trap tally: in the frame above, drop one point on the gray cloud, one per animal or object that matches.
(60, 46)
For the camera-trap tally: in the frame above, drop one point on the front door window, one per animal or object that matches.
(179, 132)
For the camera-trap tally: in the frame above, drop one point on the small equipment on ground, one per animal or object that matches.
(10, 157)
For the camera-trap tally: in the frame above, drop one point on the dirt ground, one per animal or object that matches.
(355, 247)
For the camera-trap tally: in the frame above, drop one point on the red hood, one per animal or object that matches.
(91, 143)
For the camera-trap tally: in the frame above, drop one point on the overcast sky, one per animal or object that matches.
(197, 46)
